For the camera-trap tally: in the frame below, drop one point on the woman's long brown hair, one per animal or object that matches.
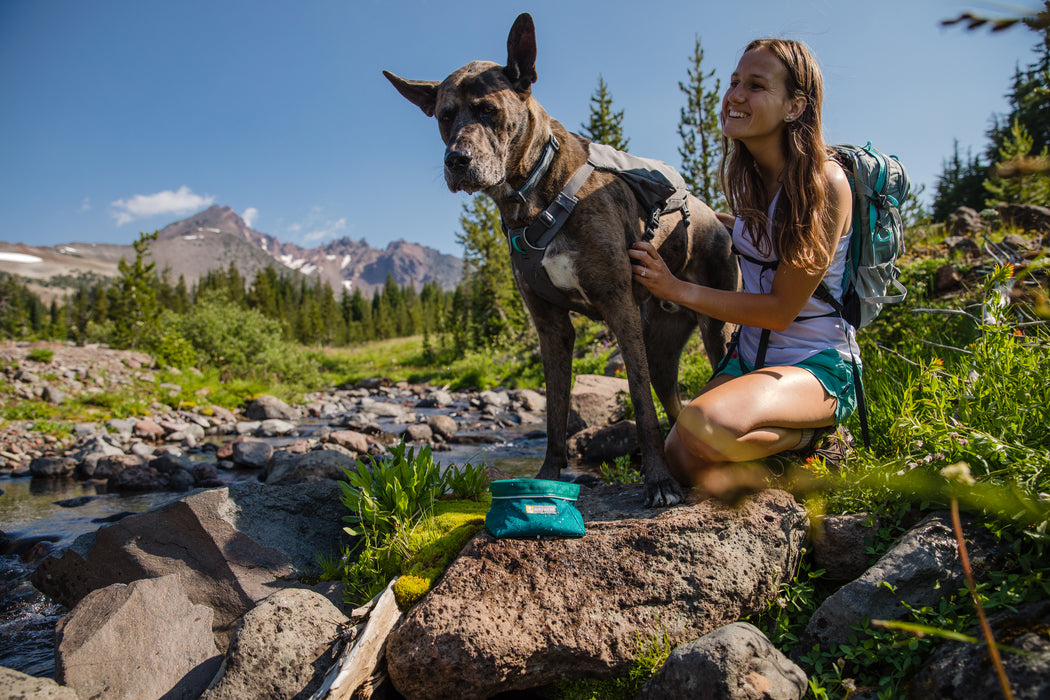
(799, 231)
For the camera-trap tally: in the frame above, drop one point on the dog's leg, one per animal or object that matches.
(661, 489)
(557, 337)
(666, 334)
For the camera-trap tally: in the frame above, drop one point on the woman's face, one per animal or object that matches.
(757, 102)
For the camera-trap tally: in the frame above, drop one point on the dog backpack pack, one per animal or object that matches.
(658, 187)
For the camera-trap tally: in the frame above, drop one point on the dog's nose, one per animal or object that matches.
(457, 161)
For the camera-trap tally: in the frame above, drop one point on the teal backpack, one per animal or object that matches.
(880, 185)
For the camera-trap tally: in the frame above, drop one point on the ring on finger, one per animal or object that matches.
(643, 271)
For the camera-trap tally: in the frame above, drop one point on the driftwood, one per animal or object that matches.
(361, 667)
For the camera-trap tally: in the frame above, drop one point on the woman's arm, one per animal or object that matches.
(791, 289)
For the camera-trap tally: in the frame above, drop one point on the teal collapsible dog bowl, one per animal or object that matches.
(534, 508)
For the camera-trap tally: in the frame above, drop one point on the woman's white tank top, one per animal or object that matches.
(805, 338)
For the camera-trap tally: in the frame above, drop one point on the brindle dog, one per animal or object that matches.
(495, 133)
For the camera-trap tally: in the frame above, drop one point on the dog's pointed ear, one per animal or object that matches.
(521, 54)
(421, 93)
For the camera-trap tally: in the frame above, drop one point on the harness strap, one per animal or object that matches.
(542, 231)
(546, 158)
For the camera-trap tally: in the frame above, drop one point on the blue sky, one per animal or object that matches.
(123, 116)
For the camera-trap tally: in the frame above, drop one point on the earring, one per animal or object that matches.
(789, 118)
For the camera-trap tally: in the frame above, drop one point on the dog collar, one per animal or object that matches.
(537, 172)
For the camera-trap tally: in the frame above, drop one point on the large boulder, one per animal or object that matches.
(735, 662)
(516, 614)
(231, 547)
(921, 568)
(281, 649)
(143, 640)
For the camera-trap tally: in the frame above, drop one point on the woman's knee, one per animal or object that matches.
(697, 434)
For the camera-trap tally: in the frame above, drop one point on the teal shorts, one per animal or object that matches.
(834, 374)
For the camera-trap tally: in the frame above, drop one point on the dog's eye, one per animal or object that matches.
(487, 110)
(446, 117)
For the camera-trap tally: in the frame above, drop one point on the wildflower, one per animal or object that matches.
(959, 473)
(850, 685)
(938, 455)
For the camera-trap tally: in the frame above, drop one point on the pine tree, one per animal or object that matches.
(701, 131)
(1019, 177)
(490, 300)
(605, 125)
(960, 184)
(135, 313)
(1029, 100)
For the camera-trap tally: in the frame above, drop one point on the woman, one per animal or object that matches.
(792, 232)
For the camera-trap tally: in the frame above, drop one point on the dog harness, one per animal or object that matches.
(657, 186)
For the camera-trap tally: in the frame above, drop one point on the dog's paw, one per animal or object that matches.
(663, 493)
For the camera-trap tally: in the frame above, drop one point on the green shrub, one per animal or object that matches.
(41, 355)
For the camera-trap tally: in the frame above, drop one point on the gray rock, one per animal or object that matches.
(251, 454)
(384, 409)
(596, 401)
(53, 394)
(138, 478)
(275, 427)
(88, 452)
(530, 400)
(287, 467)
(20, 686)
(963, 670)
(435, 399)
(109, 466)
(350, 440)
(190, 434)
(443, 425)
(418, 432)
(142, 450)
(170, 463)
(494, 399)
(575, 608)
(840, 547)
(735, 662)
(180, 480)
(281, 649)
(606, 443)
(247, 427)
(964, 221)
(51, 467)
(265, 407)
(123, 426)
(921, 568)
(143, 640)
(148, 429)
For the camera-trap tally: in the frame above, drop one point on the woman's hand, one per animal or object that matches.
(651, 270)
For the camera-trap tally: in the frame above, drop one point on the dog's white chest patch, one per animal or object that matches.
(561, 268)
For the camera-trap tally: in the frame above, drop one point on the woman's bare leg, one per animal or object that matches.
(737, 419)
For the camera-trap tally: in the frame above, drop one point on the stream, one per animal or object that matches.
(43, 516)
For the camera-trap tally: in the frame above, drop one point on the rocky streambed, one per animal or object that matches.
(54, 489)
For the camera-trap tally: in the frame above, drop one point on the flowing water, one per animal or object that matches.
(42, 516)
